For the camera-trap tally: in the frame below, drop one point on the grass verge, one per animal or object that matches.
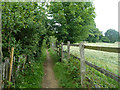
(66, 73)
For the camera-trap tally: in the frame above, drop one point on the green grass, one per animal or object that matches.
(103, 44)
(66, 73)
(54, 55)
(106, 60)
(32, 76)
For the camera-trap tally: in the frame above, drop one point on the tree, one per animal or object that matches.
(94, 34)
(104, 39)
(112, 35)
(23, 27)
(71, 20)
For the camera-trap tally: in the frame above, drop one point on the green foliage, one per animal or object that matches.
(51, 40)
(54, 55)
(31, 77)
(112, 35)
(94, 35)
(7, 84)
(106, 60)
(71, 20)
(105, 39)
(67, 73)
(23, 27)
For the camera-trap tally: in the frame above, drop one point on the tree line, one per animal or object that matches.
(111, 36)
(26, 24)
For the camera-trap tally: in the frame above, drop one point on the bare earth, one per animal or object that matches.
(49, 80)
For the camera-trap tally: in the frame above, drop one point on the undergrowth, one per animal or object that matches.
(67, 73)
(31, 77)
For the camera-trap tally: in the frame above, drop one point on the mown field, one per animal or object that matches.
(106, 60)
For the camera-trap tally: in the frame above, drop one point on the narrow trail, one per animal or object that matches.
(49, 80)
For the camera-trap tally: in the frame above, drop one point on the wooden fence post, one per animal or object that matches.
(68, 48)
(56, 43)
(4, 71)
(58, 48)
(13, 70)
(25, 58)
(7, 67)
(11, 63)
(82, 66)
(0, 45)
(61, 51)
(3, 74)
(18, 67)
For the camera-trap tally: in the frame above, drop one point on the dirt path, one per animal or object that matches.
(49, 78)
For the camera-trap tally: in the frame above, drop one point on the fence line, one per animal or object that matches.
(9, 71)
(99, 48)
(103, 71)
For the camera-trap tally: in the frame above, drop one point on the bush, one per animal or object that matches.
(105, 39)
(31, 77)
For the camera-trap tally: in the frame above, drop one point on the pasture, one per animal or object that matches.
(106, 60)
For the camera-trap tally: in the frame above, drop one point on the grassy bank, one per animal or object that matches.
(106, 60)
(66, 73)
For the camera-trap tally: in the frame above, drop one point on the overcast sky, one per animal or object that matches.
(106, 14)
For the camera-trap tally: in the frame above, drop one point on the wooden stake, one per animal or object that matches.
(0, 45)
(7, 67)
(61, 51)
(58, 49)
(11, 63)
(68, 46)
(3, 72)
(25, 58)
(82, 66)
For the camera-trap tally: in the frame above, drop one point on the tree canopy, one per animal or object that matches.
(71, 20)
(112, 35)
(23, 27)
(26, 24)
(94, 34)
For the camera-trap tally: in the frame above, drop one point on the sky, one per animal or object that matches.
(106, 14)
